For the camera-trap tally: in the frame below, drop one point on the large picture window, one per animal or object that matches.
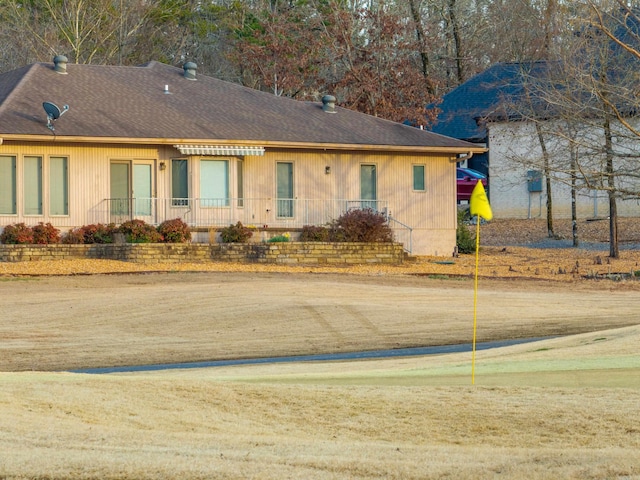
(58, 186)
(32, 185)
(214, 183)
(7, 185)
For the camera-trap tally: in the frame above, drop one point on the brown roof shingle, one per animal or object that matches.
(129, 102)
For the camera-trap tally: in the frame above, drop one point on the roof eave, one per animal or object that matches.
(470, 148)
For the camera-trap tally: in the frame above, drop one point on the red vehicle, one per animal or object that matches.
(466, 180)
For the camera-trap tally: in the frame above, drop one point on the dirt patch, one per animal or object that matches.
(534, 231)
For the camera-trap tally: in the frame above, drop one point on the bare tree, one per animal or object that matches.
(594, 95)
(88, 31)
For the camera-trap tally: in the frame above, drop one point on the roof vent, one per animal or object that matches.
(190, 70)
(329, 104)
(60, 64)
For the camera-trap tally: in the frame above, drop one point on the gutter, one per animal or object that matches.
(468, 152)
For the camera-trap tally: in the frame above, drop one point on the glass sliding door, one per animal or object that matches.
(368, 187)
(120, 189)
(284, 193)
(132, 190)
(142, 193)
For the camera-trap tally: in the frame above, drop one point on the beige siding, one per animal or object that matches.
(430, 213)
(89, 182)
(435, 208)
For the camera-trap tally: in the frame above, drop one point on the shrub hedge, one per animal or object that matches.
(135, 231)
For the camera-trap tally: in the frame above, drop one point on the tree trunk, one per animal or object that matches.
(457, 41)
(547, 176)
(614, 251)
(415, 14)
(574, 214)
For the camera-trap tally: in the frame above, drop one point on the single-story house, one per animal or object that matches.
(484, 111)
(86, 144)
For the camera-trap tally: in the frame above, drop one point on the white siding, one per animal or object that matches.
(514, 149)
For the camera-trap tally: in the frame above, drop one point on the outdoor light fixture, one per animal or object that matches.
(163, 166)
(327, 170)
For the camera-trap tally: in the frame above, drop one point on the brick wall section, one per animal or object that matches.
(294, 253)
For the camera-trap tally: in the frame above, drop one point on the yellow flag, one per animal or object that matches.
(479, 203)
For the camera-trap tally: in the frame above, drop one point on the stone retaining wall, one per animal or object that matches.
(302, 253)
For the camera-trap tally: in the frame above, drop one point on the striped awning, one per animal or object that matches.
(226, 150)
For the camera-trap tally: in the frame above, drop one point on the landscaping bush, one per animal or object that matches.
(285, 237)
(99, 233)
(237, 233)
(361, 226)
(45, 233)
(312, 233)
(18, 233)
(74, 237)
(465, 241)
(137, 231)
(174, 231)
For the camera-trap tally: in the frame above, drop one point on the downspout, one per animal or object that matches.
(463, 157)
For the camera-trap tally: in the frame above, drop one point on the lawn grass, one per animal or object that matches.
(560, 408)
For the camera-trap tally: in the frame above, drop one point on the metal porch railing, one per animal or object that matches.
(215, 212)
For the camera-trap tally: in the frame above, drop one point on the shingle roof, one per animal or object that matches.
(129, 102)
(482, 96)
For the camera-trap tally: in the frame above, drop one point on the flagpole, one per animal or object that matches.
(475, 302)
(478, 207)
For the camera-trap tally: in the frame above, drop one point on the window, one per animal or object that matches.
(58, 186)
(284, 193)
(368, 186)
(7, 185)
(240, 181)
(418, 178)
(179, 183)
(214, 183)
(32, 185)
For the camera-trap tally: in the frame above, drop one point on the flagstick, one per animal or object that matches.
(475, 303)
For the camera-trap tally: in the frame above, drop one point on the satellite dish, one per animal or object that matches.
(53, 113)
